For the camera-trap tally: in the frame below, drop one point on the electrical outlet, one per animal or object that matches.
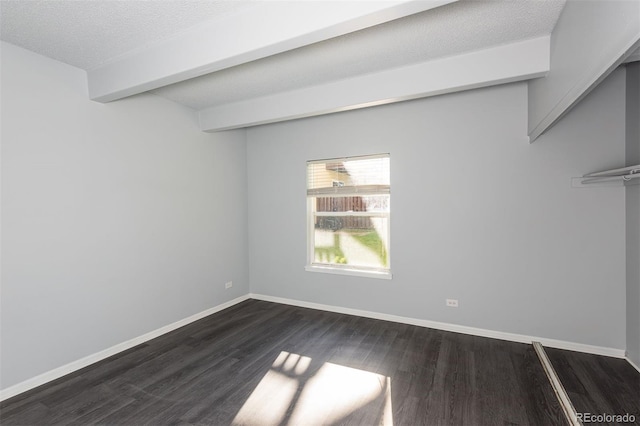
(228, 285)
(452, 303)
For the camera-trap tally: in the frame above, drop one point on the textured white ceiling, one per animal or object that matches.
(445, 31)
(88, 34)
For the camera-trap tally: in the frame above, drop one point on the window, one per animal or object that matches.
(348, 215)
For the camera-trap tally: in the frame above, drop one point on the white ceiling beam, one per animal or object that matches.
(262, 30)
(590, 40)
(634, 57)
(503, 64)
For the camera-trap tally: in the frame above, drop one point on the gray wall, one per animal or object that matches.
(117, 219)
(121, 218)
(477, 213)
(633, 215)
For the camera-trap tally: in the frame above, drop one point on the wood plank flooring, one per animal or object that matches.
(597, 384)
(266, 363)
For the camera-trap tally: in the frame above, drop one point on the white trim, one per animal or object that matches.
(352, 272)
(512, 337)
(99, 356)
(633, 364)
(113, 350)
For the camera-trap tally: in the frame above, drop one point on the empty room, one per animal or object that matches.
(407, 212)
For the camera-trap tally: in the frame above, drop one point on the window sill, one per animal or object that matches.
(351, 272)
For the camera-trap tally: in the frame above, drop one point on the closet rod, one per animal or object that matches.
(586, 179)
(630, 170)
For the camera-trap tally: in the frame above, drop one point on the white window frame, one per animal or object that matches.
(361, 271)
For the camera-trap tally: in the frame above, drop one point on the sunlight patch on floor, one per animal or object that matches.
(269, 402)
(295, 391)
(335, 392)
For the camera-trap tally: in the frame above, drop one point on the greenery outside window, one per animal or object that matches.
(348, 215)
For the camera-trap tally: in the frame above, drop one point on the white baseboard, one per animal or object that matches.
(99, 356)
(633, 364)
(513, 337)
(113, 350)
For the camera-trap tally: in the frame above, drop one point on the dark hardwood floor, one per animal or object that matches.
(597, 384)
(265, 363)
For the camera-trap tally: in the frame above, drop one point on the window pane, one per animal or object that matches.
(367, 203)
(348, 172)
(351, 240)
(348, 212)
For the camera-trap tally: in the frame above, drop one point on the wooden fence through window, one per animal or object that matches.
(342, 204)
